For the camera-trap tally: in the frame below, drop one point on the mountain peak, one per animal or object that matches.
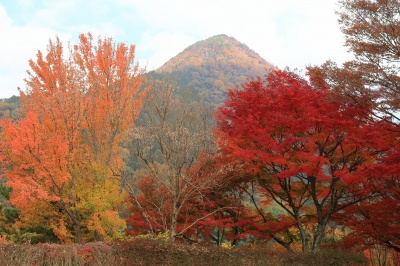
(221, 37)
(216, 64)
(224, 36)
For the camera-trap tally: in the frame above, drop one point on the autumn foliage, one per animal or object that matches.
(215, 65)
(58, 158)
(287, 163)
(307, 152)
(370, 81)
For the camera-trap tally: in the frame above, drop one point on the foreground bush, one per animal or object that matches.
(46, 254)
(151, 252)
(147, 252)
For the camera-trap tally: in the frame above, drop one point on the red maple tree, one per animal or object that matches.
(307, 151)
(377, 220)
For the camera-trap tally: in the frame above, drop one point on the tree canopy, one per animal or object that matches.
(57, 159)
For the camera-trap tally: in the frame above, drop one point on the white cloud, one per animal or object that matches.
(18, 45)
(161, 47)
(286, 33)
(21, 43)
(5, 21)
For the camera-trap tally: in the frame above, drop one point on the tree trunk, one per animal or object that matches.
(78, 233)
(303, 236)
(174, 220)
(282, 243)
(319, 235)
(132, 195)
(172, 230)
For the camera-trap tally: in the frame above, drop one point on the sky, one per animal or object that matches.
(287, 33)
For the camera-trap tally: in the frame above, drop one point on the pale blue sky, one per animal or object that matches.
(291, 33)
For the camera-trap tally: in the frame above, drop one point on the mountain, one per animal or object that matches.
(215, 65)
(10, 108)
(211, 66)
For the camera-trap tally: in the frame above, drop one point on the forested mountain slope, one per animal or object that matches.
(215, 65)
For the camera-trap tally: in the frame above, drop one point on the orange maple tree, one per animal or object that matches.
(59, 158)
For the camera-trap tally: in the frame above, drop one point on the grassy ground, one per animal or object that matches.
(150, 252)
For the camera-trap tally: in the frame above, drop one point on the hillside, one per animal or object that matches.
(215, 65)
(10, 108)
(211, 66)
